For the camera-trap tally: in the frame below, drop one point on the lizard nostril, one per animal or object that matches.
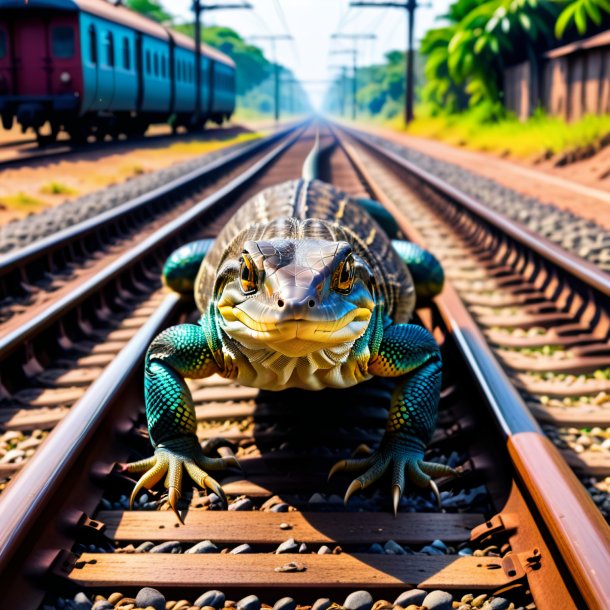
(280, 303)
(311, 303)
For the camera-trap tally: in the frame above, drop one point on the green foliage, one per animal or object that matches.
(150, 8)
(580, 13)
(538, 137)
(465, 59)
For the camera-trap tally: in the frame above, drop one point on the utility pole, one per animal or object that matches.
(198, 8)
(276, 71)
(354, 53)
(409, 6)
(342, 84)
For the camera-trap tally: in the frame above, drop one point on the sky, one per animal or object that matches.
(311, 24)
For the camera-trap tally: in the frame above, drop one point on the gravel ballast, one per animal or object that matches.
(575, 234)
(20, 233)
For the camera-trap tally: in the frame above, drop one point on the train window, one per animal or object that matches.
(126, 54)
(92, 44)
(163, 66)
(2, 44)
(156, 64)
(62, 41)
(148, 68)
(110, 49)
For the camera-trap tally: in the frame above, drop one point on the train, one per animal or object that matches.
(92, 67)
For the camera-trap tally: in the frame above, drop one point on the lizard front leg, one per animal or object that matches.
(410, 353)
(178, 352)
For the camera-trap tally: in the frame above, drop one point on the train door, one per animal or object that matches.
(90, 69)
(211, 86)
(139, 70)
(32, 59)
(106, 84)
(65, 67)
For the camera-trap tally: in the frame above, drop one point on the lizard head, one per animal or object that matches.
(294, 296)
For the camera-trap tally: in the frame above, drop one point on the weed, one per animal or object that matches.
(57, 188)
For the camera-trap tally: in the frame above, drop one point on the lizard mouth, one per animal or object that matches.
(331, 332)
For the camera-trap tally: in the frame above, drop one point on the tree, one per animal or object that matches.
(150, 8)
(580, 13)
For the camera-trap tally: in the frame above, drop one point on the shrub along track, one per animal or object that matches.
(500, 533)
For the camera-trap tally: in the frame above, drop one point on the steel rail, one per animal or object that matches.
(61, 239)
(583, 270)
(576, 525)
(25, 498)
(57, 309)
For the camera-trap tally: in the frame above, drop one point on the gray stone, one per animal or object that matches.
(358, 600)
(411, 597)
(316, 499)
(81, 602)
(145, 547)
(242, 548)
(376, 548)
(103, 604)
(249, 603)
(393, 548)
(439, 544)
(497, 603)
(150, 597)
(303, 548)
(216, 599)
(205, 546)
(243, 504)
(171, 546)
(282, 507)
(286, 603)
(438, 600)
(288, 546)
(324, 550)
(321, 604)
(431, 550)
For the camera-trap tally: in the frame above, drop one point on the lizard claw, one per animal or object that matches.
(355, 485)
(405, 461)
(396, 494)
(169, 460)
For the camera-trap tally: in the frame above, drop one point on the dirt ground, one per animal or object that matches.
(582, 187)
(46, 183)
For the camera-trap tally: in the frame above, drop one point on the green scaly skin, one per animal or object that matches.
(241, 310)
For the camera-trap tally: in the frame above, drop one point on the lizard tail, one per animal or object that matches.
(311, 166)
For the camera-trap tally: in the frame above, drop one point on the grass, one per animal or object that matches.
(197, 147)
(540, 136)
(20, 201)
(57, 188)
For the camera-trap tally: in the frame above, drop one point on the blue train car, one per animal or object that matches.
(88, 66)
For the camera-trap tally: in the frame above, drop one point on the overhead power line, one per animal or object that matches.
(276, 67)
(409, 6)
(198, 9)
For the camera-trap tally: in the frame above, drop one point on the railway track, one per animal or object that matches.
(515, 528)
(93, 282)
(545, 312)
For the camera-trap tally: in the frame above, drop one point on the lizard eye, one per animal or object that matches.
(343, 279)
(248, 276)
